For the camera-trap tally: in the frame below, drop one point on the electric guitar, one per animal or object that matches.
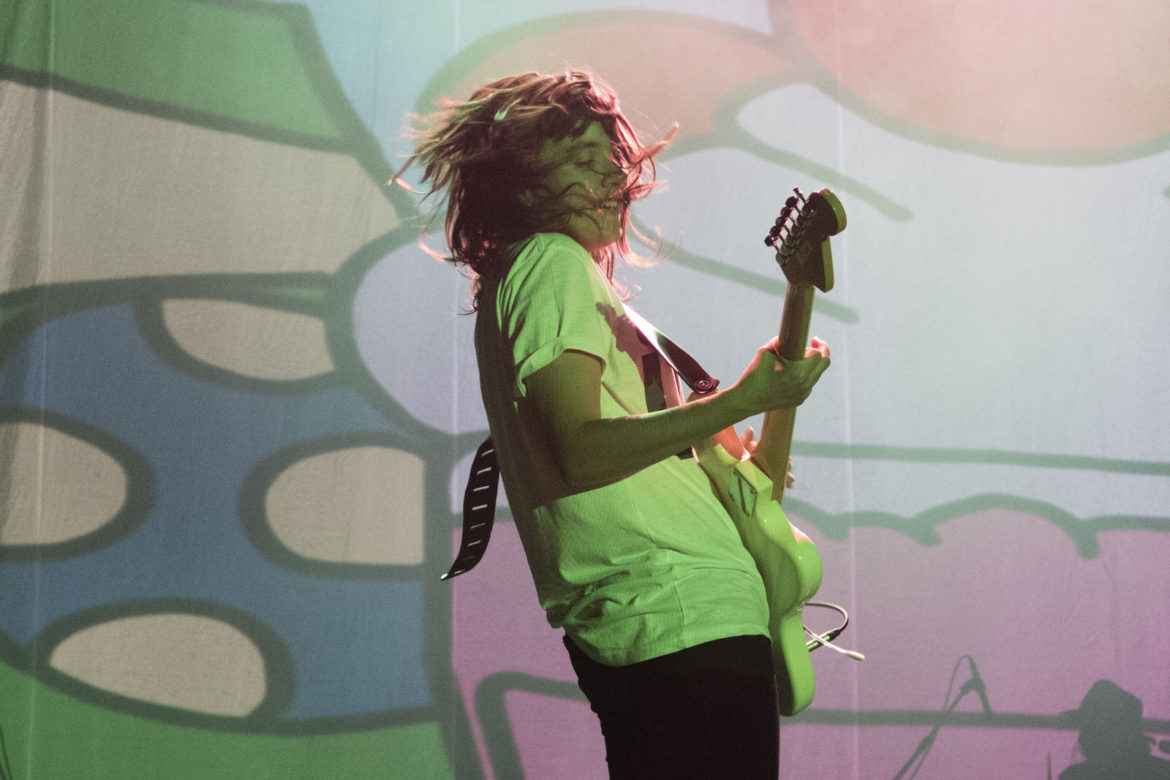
(787, 559)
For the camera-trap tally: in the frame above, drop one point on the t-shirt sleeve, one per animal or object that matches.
(554, 299)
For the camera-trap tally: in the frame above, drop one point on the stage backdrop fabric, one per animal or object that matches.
(238, 401)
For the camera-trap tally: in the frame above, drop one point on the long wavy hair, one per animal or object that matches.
(483, 156)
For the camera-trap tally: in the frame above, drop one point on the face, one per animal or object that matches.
(588, 182)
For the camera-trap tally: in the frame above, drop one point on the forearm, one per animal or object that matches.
(600, 451)
(592, 449)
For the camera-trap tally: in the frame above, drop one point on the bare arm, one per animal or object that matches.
(592, 450)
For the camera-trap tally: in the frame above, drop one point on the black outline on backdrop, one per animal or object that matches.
(923, 527)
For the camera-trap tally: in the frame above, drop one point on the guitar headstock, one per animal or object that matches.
(801, 237)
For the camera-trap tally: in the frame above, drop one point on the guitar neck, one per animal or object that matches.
(776, 437)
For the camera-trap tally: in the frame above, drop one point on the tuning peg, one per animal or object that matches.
(791, 202)
(799, 194)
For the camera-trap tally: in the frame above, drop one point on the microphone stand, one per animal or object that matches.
(928, 741)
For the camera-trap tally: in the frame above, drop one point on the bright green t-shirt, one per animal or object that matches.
(632, 570)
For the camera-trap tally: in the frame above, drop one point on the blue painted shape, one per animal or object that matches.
(356, 644)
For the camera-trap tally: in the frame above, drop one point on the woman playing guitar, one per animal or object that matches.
(633, 555)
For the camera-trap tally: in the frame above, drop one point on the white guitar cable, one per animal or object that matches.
(826, 639)
(819, 640)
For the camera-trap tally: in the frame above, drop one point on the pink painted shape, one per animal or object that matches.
(1008, 588)
(691, 66)
(1042, 75)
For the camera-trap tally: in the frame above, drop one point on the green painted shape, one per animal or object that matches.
(51, 735)
(241, 61)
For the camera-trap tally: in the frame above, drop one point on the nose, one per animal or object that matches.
(612, 175)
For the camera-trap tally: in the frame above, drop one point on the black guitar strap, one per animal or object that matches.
(479, 509)
(687, 368)
(479, 497)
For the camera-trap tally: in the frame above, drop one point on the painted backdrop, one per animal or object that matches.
(238, 402)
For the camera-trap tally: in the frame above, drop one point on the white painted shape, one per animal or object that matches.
(362, 505)
(191, 662)
(249, 340)
(57, 487)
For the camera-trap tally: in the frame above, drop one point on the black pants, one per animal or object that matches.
(708, 711)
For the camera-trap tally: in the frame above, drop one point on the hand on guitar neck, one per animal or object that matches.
(772, 383)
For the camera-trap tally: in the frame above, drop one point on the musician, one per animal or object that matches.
(1110, 737)
(663, 610)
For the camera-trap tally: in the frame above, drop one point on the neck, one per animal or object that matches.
(776, 437)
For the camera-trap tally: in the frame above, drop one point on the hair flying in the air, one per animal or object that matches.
(482, 156)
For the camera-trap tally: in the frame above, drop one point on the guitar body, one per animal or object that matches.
(788, 562)
(787, 559)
